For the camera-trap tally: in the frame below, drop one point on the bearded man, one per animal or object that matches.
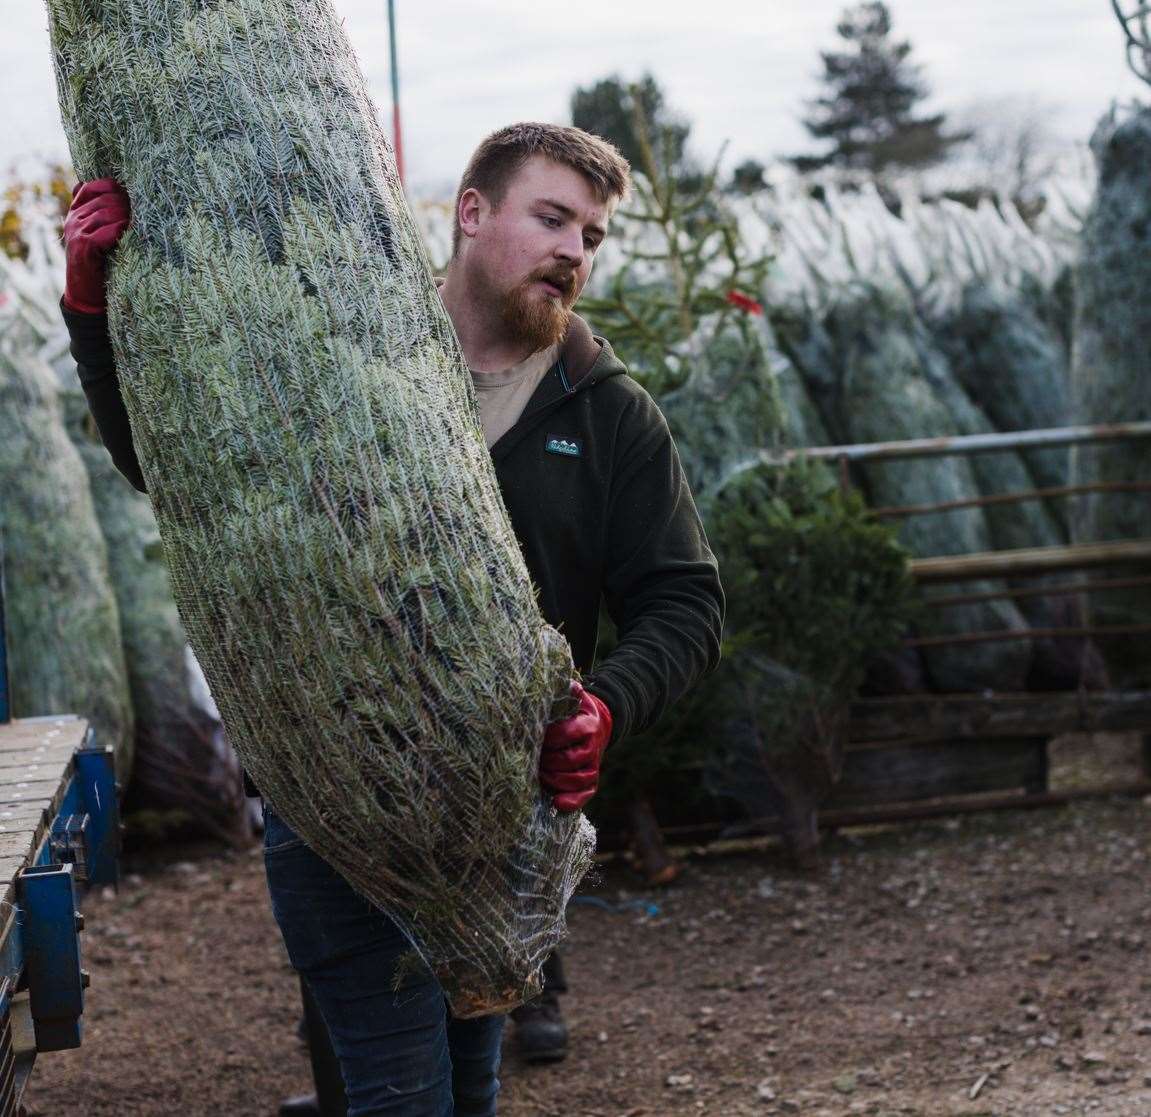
(602, 511)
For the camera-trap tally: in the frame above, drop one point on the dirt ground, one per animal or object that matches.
(989, 964)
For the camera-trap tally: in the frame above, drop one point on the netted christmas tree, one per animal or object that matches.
(344, 566)
(183, 769)
(937, 320)
(1111, 366)
(63, 623)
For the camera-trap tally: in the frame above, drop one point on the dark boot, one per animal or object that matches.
(541, 1034)
(329, 1099)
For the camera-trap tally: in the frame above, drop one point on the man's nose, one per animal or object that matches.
(570, 247)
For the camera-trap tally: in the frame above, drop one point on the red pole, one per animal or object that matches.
(397, 130)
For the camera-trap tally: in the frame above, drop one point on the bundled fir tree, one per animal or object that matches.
(185, 772)
(62, 619)
(344, 566)
(183, 769)
(1111, 365)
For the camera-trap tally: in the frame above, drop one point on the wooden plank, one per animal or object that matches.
(21, 811)
(679, 837)
(54, 769)
(47, 776)
(57, 754)
(10, 866)
(907, 774)
(27, 733)
(937, 807)
(950, 445)
(34, 795)
(44, 806)
(43, 803)
(921, 718)
(22, 790)
(998, 635)
(1033, 560)
(18, 843)
(55, 746)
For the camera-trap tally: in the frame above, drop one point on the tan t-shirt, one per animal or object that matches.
(503, 395)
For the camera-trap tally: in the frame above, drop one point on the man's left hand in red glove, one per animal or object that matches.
(573, 751)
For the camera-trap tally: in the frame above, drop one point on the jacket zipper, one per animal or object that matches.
(543, 408)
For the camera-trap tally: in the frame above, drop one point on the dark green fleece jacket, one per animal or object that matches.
(599, 502)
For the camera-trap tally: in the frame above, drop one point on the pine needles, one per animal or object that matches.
(344, 566)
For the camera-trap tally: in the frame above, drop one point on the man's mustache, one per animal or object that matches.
(564, 281)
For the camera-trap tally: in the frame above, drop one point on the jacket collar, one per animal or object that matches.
(587, 360)
(580, 350)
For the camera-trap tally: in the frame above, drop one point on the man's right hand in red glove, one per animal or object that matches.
(96, 221)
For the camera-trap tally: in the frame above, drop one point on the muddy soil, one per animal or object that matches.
(985, 964)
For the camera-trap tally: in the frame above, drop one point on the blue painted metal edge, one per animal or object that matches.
(49, 926)
(96, 779)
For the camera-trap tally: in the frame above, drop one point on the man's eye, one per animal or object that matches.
(589, 244)
(550, 222)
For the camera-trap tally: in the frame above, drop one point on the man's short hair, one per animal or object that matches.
(496, 161)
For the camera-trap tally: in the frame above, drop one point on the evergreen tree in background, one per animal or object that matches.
(867, 110)
(748, 178)
(630, 115)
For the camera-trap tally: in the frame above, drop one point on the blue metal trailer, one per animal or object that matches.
(59, 834)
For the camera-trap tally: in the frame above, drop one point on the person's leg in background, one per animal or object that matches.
(328, 1099)
(541, 1033)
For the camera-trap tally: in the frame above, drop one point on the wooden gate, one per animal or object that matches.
(924, 754)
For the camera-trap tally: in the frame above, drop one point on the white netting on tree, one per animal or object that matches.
(345, 568)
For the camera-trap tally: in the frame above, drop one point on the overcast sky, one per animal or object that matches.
(740, 70)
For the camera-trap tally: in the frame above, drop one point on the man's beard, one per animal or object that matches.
(536, 321)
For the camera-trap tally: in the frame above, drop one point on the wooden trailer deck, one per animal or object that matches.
(59, 831)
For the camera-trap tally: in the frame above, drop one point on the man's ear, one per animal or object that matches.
(473, 208)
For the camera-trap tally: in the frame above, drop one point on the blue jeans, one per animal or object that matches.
(401, 1052)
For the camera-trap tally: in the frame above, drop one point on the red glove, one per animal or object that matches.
(96, 221)
(573, 751)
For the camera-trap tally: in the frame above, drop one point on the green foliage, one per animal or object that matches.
(1111, 375)
(815, 588)
(813, 581)
(671, 298)
(871, 91)
(634, 116)
(180, 761)
(63, 621)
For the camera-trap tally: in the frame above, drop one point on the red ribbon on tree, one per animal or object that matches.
(744, 302)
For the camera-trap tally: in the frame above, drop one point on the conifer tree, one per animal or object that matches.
(632, 115)
(871, 91)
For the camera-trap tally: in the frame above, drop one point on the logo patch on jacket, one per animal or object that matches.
(568, 447)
